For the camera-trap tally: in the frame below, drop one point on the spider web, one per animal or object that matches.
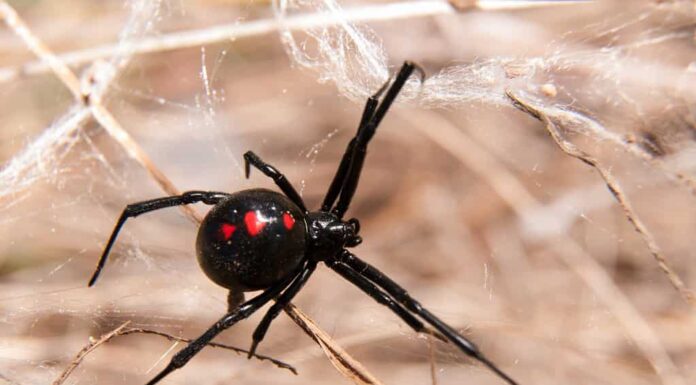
(522, 233)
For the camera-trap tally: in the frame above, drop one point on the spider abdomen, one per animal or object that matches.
(251, 240)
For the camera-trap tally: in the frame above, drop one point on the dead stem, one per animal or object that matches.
(338, 357)
(233, 31)
(344, 363)
(496, 5)
(613, 185)
(123, 330)
(433, 361)
(519, 199)
(38, 48)
(85, 351)
(170, 337)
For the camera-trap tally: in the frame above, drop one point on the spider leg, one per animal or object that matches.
(280, 304)
(339, 178)
(365, 134)
(383, 298)
(251, 159)
(135, 209)
(243, 311)
(371, 273)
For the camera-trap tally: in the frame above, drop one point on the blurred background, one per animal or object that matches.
(465, 200)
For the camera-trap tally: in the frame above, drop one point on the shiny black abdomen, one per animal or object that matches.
(251, 240)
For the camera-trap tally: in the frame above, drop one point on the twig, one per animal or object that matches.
(76, 117)
(433, 361)
(339, 358)
(519, 199)
(497, 5)
(227, 32)
(593, 128)
(16, 24)
(123, 330)
(170, 337)
(114, 129)
(85, 351)
(614, 187)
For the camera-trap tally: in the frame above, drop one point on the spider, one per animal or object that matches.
(259, 239)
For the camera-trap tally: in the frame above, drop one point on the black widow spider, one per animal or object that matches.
(261, 240)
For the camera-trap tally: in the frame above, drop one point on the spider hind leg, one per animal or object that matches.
(370, 274)
(282, 301)
(241, 312)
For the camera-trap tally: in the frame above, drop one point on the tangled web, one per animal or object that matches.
(619, 91)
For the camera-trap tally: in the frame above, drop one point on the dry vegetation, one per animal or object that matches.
(486, 194)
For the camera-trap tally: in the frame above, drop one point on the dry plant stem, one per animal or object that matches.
(123, 330)
(78, 115)
(491, 5)
(344, 363)
(111, 125)
(234, 31)
(634, 149)
(516, 195)
(433, 362)
(335, 354)
(613, 185)
(260, 357)
(195, 38)
(85, 351)
(36, 46)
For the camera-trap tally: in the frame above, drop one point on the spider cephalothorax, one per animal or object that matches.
(262, 240)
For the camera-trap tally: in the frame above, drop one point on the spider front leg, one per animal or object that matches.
(366, 131)
(135, 209)
(369, 272)
(243, 311)
(280, 180)
(346, 161)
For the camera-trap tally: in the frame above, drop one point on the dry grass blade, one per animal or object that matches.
(86, 350)
(340, 359)
(613, 185)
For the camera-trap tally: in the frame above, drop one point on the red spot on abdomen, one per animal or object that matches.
(226, 230)
(253, 224)
(288, 221)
